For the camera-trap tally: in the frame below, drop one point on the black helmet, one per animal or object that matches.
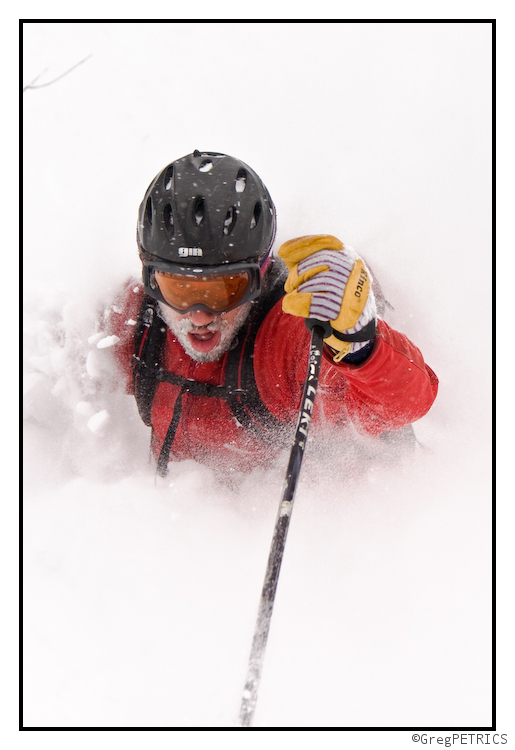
(206, 209)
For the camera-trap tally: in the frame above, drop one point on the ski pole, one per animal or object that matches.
(266, 603)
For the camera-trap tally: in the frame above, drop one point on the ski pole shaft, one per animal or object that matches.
(266, 603)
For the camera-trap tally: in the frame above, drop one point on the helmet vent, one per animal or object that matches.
(199, 211)
(206, 166)
(148, 209)
(168, 177)
(241, 181)
(255, 215)
(168, 218)
(230, 220)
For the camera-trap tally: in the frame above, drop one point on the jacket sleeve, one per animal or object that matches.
(391, 389)
(120, 320)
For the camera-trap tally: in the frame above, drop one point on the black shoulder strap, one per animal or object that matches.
(149, 338)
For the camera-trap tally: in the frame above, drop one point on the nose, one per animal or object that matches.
(200, 317)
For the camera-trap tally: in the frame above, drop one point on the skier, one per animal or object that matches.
(215, 351)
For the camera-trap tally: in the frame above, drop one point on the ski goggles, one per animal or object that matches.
(218, 289)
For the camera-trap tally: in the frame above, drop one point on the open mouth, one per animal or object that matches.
(203, 340)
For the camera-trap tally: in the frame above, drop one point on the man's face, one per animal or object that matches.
(204, 335)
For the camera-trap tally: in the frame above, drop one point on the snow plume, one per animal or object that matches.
(75, 408)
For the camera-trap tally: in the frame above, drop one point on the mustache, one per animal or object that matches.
(218, 324)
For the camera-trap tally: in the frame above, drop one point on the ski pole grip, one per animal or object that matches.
(323, 324)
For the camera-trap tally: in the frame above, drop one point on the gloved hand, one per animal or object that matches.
(330, 282)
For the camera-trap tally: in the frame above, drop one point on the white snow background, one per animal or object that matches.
(140, 598)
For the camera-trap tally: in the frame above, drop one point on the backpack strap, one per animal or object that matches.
(164, 455)
(149, 337)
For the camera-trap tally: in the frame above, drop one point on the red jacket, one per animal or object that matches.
(391, 389)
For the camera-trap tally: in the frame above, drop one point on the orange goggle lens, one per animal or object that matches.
(217, 292)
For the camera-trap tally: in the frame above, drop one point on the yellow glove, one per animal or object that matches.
(330, 282)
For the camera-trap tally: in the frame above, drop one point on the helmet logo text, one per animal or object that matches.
(185, 252)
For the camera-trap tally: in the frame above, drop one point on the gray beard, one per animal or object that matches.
(181, 327)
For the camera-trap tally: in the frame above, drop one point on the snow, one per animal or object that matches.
(107, 341)
(140, 595)
(97, 422)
